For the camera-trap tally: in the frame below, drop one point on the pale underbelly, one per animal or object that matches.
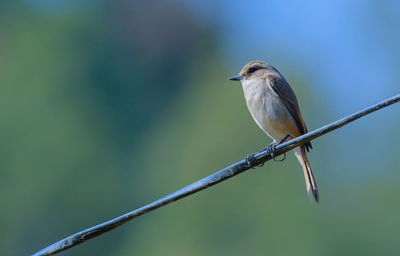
(273, 118)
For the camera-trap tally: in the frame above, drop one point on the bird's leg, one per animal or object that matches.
(251, 159)
(284, 139)
(271, 148)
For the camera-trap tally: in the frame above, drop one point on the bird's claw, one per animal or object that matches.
(279, 160)
(271, 149)
(251, 161)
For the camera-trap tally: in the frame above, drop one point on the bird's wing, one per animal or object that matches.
(282, 88)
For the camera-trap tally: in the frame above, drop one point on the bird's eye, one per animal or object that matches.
(252, 70)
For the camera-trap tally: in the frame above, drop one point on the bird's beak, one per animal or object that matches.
(235, 78)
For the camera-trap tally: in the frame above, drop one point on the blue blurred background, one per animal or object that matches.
(107, 106)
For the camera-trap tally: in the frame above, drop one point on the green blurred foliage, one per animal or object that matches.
(108, 108)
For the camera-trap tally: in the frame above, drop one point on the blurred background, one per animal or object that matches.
(109, 105)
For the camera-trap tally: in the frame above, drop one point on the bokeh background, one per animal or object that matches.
(108, 105)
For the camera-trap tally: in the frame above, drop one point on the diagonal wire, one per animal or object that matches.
(215, 178)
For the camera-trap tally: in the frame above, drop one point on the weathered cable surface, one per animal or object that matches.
(208, 181)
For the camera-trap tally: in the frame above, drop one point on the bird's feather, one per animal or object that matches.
(282, 88)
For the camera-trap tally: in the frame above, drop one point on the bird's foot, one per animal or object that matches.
(272, 149)
(251, 161)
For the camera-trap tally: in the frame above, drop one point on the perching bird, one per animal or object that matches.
(273, 105)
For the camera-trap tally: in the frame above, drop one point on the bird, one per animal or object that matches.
(274, 107)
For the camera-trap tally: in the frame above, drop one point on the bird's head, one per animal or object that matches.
(253, 70)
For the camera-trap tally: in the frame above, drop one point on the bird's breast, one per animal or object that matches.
(268, 111)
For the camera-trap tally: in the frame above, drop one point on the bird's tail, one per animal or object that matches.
(311, 185)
